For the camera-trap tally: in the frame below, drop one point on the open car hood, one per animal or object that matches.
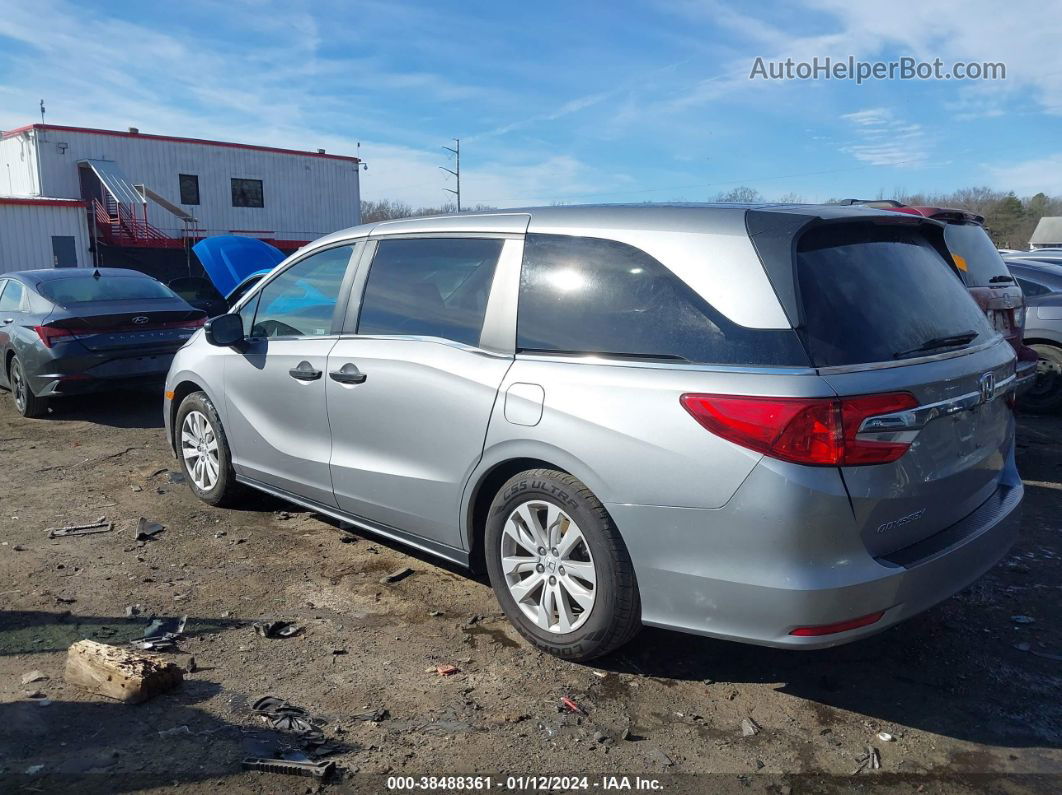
(228, 259)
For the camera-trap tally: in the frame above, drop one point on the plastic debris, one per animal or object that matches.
(376, 716)
(161, 634)
(321, 770)
(749, 727)
(146, 531)
(396, 576)
(445, 669)
(101, 525)
(276, 629)
(870, 759)
(885, 737)
(285, 716)
(571, 706)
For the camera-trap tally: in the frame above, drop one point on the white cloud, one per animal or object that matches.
(1029, 177)
(881, 139)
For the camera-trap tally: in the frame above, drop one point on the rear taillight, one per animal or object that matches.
(51, 334)
(812, 431)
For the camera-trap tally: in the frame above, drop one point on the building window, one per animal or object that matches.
(247, 193)
(189, 188)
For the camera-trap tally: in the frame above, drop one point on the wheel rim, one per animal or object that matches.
(199, 446)
(548, 567)
(19, 386)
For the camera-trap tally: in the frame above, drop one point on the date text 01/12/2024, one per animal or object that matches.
(522, 783)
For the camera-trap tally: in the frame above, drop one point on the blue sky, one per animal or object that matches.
(563, 101)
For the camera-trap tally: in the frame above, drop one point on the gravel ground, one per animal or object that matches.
(971, 697)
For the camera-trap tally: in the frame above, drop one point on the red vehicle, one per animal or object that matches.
(982, 270)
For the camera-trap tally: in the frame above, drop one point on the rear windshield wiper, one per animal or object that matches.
(1000, 278)
(647, 356)
(952, 341)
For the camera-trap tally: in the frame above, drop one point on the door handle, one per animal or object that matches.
(8, 320)
(348, 374)
(304, 372)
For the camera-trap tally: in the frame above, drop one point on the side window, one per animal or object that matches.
(594, 296)
(300, 301)
(1031, 288)
(429, 288)
(247, 193)
(189, 184)
(11, 298)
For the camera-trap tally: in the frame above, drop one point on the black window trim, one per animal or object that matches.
(180, 189)
(252, 295)
(232, 192)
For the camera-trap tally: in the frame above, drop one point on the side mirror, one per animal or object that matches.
(224, 330)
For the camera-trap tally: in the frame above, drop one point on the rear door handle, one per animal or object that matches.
(305, 372)
(348, 374)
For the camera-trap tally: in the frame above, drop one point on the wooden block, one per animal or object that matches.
(118, 673)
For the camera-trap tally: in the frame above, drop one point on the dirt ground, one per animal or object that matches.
(971, 697)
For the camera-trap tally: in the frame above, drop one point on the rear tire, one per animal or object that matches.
(1045, 395)
(26, 403)
(559, 567)
(203, 449)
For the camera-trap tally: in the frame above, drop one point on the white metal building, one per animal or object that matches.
(42, 233)
(141, 191)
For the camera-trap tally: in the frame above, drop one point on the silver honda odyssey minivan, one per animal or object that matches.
(784, 425)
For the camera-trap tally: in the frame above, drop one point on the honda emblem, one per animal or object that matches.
(987, 386)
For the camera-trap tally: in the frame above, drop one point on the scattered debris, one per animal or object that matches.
(220, 534)
(885, 737)
(868, 760)
(436, 613)
(33, 770)
(321, 770)
(161, 634)
(285, 716)
(282, 516)
(376, 716)
(1023, 619)
(347, 538)
(192, 668)
(571, 706)
(445, 669)
(137, 488)
(396, 576)
(101, 525)
(749, 727)
(119, 674)
(601, 674)
(276, 629)
(175, 477)
(18, 548)
(33, 676)
(601, 738)
(146, 531)
(34, 693)
(132, 610)
(65, 600)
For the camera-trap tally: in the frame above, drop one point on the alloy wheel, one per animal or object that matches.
(548, 567)
(199, 446)
(18, 384)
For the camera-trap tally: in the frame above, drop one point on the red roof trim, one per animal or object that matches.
(178, 140)
(41, 202)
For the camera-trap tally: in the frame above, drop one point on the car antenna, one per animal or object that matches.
(96, 273)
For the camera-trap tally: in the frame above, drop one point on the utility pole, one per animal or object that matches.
(457, 151)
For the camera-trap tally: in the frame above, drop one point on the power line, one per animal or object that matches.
(457, 173)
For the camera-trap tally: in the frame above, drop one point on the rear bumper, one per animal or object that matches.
(1024, 374)
(684, 587)
(95, 373)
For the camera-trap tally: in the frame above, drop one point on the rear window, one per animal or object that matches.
(581, 295)
(877, 293)
(975, 255)
(86, 289)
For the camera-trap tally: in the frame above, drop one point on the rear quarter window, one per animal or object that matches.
(582, 295)
(975, 256)
(872, 293)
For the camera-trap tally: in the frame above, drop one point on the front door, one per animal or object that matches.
(410, 395)
(275, 387)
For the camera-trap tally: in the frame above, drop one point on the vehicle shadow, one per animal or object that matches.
(106, 746)
(130, 408)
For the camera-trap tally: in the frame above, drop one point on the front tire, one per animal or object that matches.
(26, 403)
(559, 567)
(204, 451)
(1045, 395)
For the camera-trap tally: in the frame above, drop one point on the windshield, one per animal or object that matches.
(874, 293)
(88, 288)
(975, 255)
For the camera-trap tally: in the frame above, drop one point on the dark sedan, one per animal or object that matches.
(67, 332)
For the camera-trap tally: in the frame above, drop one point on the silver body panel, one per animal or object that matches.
(724, 541)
